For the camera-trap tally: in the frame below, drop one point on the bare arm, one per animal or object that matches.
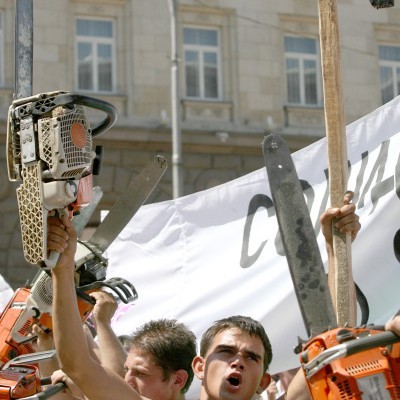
(45, 342)
(96, 382)
(112, 353)
(297, 389)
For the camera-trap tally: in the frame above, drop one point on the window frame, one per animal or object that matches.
(394, 66)
(94, 42)
(301, 58)
(201, 49)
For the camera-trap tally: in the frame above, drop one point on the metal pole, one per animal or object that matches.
(177, 178)
(23, 49)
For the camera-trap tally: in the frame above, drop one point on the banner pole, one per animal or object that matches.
(340, 275)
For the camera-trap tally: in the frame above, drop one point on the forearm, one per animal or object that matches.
(298, 389)
(112, 353)
(72, 350)
(74, 356)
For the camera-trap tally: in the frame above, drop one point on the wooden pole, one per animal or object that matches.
(340, 275)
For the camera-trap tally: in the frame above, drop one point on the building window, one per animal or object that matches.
(303, 78)
(202, 63)
(95, 44)
(389, 60)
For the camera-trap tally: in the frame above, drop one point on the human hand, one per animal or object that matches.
(344, 218)
(104, 308)
(393, 325)
(44, 340)
(272, 390)
(61, 238)
(60, 376)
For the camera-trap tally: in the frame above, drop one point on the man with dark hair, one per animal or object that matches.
(235, 353)
(159, 363)
(157, 360)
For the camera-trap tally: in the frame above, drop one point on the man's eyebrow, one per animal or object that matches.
(224, 347)
(247, 352)
(253, 354)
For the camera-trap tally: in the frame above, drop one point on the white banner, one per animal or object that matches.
(5, 293)
(216, 253)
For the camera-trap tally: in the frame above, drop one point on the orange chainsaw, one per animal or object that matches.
(338, 363)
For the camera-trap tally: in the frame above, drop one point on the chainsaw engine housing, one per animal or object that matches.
(373, 373)
(49, 149)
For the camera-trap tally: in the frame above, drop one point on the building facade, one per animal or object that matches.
(244, 68)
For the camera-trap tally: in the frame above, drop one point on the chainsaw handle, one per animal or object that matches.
(51, 391)
(349, 348)
(39, 107)
(369, 342)
(51, 261)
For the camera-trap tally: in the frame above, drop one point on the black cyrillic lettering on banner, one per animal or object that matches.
(380, 188)
(257, 201)
(360, 176)
(396, 245)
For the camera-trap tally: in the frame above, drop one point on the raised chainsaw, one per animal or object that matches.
(338, 362)
(49, 147)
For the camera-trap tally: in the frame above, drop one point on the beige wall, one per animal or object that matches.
(252, 33)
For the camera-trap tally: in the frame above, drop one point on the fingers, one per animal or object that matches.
(329, 214)
(57, 236)
(101, 295)
(105, 306)
(58, 376)
(69, 227)
(343, 218)
(393, 325)
(44, 340)
(348, 197)
(347, 221)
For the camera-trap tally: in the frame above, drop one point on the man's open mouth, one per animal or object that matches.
(234, 380)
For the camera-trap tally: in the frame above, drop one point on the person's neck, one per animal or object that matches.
(180, 396)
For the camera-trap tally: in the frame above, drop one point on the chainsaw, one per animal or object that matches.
(20, 378)
(338, 362)
(49, 147)
(33, 304)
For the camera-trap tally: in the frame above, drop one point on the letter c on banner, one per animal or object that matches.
(396, 245)
(257, 201)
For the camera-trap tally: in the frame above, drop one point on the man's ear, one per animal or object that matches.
(264, 383)
(181, 377)
(198, 367)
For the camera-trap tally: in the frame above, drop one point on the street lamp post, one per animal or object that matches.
(177, 179)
